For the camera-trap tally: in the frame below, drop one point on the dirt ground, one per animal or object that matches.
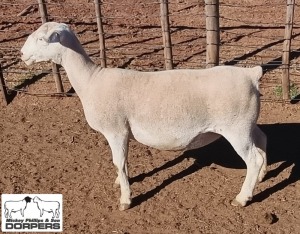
(46, 145)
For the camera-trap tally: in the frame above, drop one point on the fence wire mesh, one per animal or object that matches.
(251, 34)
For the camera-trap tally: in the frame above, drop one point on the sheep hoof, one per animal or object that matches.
(237, 203)
(124, 206)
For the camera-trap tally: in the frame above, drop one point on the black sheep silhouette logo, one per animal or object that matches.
(15, 206)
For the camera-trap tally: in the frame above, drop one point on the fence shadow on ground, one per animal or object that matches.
(283, 146)
(277, 62)
(272, 64)
(15, 38)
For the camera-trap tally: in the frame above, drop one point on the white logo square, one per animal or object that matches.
(31, 212)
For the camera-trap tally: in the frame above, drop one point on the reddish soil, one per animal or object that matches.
(46, 145)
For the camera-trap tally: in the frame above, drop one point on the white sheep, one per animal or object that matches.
(15, 206)
(48, 206)
(168, 110)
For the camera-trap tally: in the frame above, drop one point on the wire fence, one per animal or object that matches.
(249, 35)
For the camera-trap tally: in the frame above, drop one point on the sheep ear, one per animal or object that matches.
(54, 37)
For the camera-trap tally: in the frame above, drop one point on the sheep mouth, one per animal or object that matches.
(28, 61)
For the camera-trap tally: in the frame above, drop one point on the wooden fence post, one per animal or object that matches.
(286, 49)
(212, 32)
(164, 11)
(101, 33)
(55, 69)
(3, 87)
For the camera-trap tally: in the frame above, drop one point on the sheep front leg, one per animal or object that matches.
(6, 213)
(119, 148)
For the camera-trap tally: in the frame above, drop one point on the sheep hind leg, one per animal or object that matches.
(260, 141)
(245, 147)
(117, 181)
(119, 148)
(57, 213)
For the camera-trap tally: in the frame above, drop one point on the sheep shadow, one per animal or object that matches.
(12, 93)
(283, 146)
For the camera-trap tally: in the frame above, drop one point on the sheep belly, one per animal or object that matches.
(203, 139)
(164, 141)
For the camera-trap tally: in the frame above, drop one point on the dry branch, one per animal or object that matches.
(26, 11)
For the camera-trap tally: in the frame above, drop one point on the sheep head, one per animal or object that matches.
(28, 199)
(47, 43)
(36, 199)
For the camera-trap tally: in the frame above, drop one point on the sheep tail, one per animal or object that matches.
(256, 74)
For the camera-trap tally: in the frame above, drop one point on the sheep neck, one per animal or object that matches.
(79, 67)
